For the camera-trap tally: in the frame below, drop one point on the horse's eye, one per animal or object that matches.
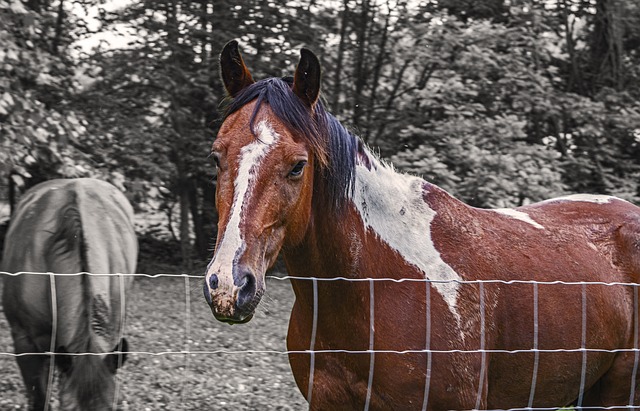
(216, 159)
(297, 169)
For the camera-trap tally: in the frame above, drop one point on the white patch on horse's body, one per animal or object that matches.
(250, 161)
(589, 198)
(518, 215)
(392, 205)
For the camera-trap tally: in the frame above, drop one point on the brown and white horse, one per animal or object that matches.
(69, 226)
(440, 305)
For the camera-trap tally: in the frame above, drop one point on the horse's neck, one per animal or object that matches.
(385, 210)
(385, 232)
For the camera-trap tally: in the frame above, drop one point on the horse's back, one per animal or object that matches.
(100, 212)
(573, 238)
(608, 226)
(109, 230)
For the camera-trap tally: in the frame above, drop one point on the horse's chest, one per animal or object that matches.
(345, 382)
(345, 374)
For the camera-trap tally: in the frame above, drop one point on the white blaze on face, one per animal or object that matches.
(393, 206)
(232, 243)
(519, 215)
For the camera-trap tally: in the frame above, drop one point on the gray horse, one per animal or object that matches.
(68, 227)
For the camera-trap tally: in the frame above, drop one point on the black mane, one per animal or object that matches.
(335, 148)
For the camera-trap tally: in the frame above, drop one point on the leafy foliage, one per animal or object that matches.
(41, 134)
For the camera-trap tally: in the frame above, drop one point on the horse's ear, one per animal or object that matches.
(235, 74)
(306, 80)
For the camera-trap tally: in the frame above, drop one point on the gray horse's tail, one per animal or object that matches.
(87, 376)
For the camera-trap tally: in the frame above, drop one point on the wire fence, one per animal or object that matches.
(188, 350)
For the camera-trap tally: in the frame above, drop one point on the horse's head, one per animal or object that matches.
(265, 153)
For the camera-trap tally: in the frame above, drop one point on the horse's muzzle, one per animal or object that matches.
(235, 304)
(234, 321)
(228, 313)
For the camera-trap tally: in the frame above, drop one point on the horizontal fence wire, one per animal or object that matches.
(285, 352)
(362, 279)
(312, 352)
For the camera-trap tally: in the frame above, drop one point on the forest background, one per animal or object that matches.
(500, 102)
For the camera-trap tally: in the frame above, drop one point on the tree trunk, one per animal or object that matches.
(55, 44)
(335, 104)
(575, 81)
(200, 231)
(179, 139)
(360, 76)
(185, 241)
(36, 5)
(606, 45)
(209, 214)
(377, 67)
(395, 92)
(205, 24)
(12, 194)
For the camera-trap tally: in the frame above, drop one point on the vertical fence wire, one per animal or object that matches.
(120, 356)
(634, 373)
(483, 365)
(54, 335)
(583, 347)
(312, 344)
(372, 354)
(427, 345)
(536, 353)
(187, 339)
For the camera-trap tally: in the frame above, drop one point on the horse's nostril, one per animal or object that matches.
(213, 282)
(247, 288)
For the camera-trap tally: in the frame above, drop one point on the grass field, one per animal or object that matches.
(157, 322)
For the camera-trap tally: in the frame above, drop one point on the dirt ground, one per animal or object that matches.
(159, 322)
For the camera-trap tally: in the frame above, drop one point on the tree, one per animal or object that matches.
(41, 133)
(525, 77)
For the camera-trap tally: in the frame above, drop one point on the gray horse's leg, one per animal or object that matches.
(34, 370)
